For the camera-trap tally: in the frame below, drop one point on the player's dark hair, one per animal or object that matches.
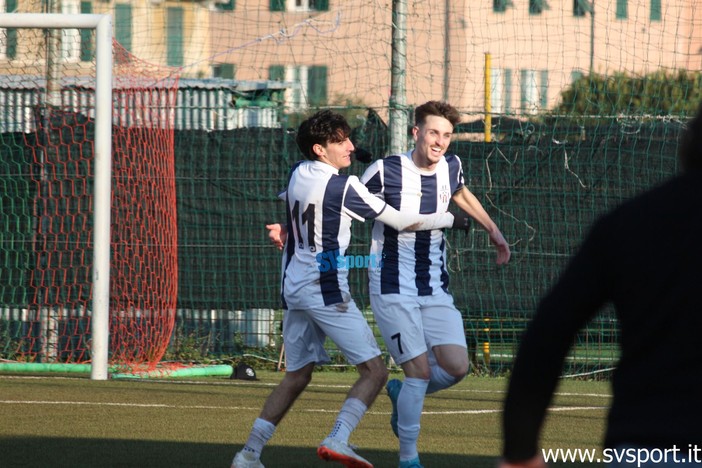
(438, 108)
(322, 128)
(690, 149)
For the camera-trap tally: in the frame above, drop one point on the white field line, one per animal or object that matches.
(312, 385)
(243, 408)
(321, 410)
(102, 403)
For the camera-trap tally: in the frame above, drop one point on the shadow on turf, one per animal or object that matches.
(100, 453)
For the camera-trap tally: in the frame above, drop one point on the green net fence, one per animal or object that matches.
(586, 103)
(543, 183)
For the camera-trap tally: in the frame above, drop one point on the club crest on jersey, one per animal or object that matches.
(444, 194)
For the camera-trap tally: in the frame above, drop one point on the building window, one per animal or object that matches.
(227, 5)
(580, 7)
(70, 38)
(533, 86)
(310, 88)
(543, 89)
(123, 25)
(536, 7)
(576, 75)
(317, 90)
(174, 37)
(500, 6)
(8, 36)
(297, 98)
(622, 9)
(299, 5)
(87, 47)
(656, 10)
(224, 70)
(500, 90)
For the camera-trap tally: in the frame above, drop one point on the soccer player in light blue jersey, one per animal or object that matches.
(409, 295)
(320, 206)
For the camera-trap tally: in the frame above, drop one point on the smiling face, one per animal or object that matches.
(335, 153)
(432, 138)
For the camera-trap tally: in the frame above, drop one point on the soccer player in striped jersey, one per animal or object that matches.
(320, 205)
(409, 295)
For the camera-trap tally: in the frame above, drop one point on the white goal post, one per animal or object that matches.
(103, 165)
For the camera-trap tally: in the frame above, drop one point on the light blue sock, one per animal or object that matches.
(440, 379)
(410, 402)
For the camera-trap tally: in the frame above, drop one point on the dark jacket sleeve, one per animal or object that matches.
(576, 297)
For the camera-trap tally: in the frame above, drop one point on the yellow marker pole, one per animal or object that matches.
(486, 344)
(488, 101)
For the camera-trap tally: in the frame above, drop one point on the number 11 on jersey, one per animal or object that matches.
(306, 218)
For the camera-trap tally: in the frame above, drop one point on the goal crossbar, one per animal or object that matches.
(103, 165)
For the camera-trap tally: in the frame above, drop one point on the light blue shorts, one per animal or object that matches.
(305, 332)
(412, 325)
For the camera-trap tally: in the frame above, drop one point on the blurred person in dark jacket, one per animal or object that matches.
(645, 258)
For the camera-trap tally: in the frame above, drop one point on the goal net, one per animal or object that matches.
(47, 179)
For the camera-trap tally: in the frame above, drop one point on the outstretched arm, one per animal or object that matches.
(471, 205)
(414, 222)
(361, 204)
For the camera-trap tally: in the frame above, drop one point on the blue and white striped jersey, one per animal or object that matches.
(413, 263)
(320, 206)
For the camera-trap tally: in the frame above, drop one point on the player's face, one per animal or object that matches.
(432, 139)
(336, 154)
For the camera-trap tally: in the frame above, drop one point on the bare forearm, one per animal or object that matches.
(468, 202)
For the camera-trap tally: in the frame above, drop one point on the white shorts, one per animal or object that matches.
(413, 325)
(305, 331)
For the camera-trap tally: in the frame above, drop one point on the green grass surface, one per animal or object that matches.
(74, 422)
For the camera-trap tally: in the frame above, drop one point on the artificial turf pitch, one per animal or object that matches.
(55, 421)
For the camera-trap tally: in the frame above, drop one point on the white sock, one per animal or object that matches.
(440, 379)
(348, 418)
(410, 402)
(260, 434)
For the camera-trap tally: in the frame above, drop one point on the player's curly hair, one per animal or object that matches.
(690, 149)
(322, 128)
(438, 108)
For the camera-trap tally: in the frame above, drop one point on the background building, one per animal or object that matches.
(339, 53)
